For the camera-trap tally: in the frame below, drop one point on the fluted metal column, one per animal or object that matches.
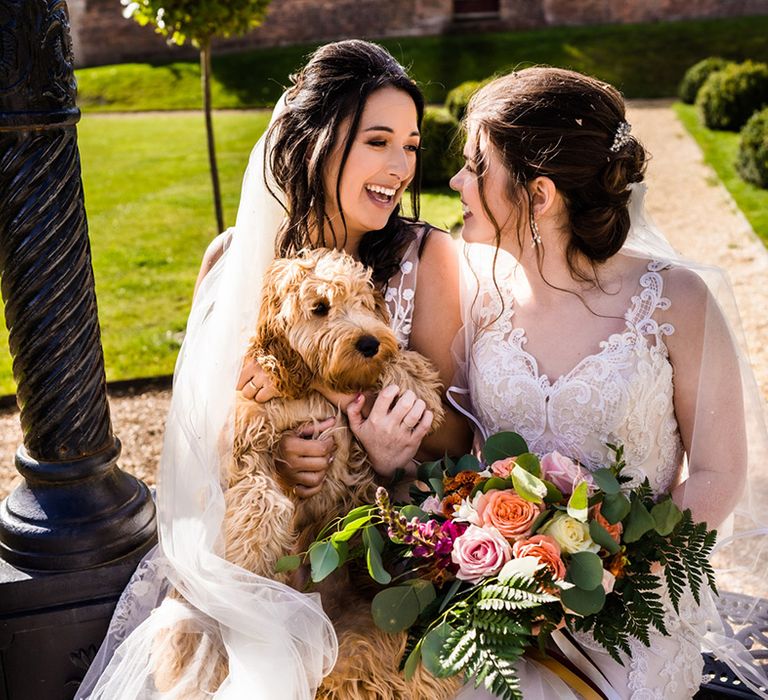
(73, 531)
(76, 508)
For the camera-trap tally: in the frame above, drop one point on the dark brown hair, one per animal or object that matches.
(333, 86)
(562, 125)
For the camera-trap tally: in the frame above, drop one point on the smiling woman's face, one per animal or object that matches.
(380, 165)
(478, 227)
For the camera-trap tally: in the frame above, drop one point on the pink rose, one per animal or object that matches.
(480, 552)
(563, 472)
(509, 513)
(545, 549)
(503, 467)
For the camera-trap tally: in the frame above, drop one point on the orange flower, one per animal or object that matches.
(510, 514)
(617, 564)
(449, 502)
(614, 530)
(462, 483)
(545, 549)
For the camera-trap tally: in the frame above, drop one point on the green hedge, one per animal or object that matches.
(457, 99)
(752, 160)
(729, 97)
(697, 75)
(441, 157)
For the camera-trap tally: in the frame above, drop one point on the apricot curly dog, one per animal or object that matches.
(321, 324)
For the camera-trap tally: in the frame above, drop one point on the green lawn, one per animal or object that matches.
(643, 60)
(720, 149)
(147, 193)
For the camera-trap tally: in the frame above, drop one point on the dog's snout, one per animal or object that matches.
(367, 345)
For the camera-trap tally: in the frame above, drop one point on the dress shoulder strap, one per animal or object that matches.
(650, 298)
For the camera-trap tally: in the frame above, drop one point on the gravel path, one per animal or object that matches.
(685, 199)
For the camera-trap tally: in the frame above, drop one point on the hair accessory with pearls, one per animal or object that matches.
(622, 136)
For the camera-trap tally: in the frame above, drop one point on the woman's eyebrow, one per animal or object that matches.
(388, 129)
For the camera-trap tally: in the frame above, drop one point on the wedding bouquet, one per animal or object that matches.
(490, 559)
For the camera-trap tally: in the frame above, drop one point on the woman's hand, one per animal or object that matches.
(254, 382)
(393, 431)
(303, 459)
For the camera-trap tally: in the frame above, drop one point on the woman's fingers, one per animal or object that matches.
(383, 403)
(255, 383)
(310, 431)
(294, 447)
(411, 419)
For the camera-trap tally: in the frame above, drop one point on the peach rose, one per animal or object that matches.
(614, 530)
(545, 549)
(503, 467)
(480, 552)
(510, 514)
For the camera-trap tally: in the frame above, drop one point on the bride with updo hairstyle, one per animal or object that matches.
(584, 328)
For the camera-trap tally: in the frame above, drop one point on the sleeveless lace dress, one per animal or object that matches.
(621, 395)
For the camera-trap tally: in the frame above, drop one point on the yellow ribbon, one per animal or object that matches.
(566, 675)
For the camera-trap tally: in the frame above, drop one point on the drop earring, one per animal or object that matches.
(535, 232)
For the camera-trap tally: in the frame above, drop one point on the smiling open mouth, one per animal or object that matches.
(383, 195)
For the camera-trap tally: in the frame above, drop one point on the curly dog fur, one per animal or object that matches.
(321, 323)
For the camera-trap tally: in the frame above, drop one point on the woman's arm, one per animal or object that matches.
(436, 321)
(708, 400)
(212, 253)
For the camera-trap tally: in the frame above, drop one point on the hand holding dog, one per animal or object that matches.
(393, 431)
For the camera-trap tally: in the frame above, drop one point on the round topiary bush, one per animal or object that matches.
(456, 100)
(441, 143)
(752, 160)
(697, 74)
(730, 96)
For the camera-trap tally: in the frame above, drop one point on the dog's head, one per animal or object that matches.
(322, 320)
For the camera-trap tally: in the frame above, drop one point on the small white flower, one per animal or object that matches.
(390, 294)
(406, 267)
(408, 294)
(466, 511)
(130, 9)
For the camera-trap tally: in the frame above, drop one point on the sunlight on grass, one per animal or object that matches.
(720, 149)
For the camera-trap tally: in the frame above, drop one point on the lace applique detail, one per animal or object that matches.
(621, 394)
(401, 291)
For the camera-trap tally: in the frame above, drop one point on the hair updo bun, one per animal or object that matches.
(568, 127)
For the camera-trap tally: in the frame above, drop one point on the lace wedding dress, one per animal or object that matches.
(620, 395)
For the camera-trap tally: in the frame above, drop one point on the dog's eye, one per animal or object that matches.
(320, 309)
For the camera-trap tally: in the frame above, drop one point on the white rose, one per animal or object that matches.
(570, 534)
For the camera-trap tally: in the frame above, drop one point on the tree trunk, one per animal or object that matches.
(205, 73)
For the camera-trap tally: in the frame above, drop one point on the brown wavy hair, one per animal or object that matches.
(334, 86)
(562, 124)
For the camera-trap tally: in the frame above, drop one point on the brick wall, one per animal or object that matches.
(101, 35)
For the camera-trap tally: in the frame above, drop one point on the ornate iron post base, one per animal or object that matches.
(74, 530)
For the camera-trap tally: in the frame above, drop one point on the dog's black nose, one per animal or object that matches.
(367, 345)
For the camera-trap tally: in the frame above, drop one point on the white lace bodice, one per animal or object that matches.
(620, 395)
(401, 290)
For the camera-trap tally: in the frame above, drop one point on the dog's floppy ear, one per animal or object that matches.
(270, 346)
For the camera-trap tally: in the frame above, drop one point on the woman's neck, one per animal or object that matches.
(349, 243)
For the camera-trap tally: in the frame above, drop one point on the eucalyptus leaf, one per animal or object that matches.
(432, 647)
(585, 570)
(375, 566)
(638, 522)
(602, 537)
(412, 662)
(351, 529)
(411, 511)
(666, 515)
(323, 560)
(528, 486)
(496, 482)
(606, 481)
(578, 502)
(615, 507)
(529, 462)
(372, 538)
(583, 602)
(554, 494)
(342, 549)
(357, 513)
(395, 609)
(289, 563)
(503, 445)
(437, 486)
(425, 592)
(468, 463)
(429, 470)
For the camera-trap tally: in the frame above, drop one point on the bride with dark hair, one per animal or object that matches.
(583, 329)
(342, 148)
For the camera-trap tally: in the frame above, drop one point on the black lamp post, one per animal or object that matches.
(73, 531)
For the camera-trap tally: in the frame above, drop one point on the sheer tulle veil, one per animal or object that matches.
(279, 642)
(741, 553)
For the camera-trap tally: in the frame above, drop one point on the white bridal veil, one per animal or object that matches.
(279, 642)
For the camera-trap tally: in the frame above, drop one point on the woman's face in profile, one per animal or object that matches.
(380, 165)
(478, 227)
